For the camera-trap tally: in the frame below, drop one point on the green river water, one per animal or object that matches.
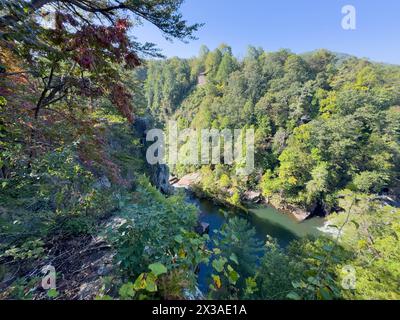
(266, 221)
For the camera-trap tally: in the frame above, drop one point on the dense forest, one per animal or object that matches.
(324, 122)
(77, 94)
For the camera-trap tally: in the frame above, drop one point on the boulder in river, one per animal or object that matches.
(202, 228)
(300, 215)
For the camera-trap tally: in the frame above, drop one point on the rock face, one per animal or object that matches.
(297, 213)
(318, 210)
(141, 126)
(188, 180)
(202, 228)
(387, 200)
(300, 215)
(159, 173)
(252, 196)
(160, 178)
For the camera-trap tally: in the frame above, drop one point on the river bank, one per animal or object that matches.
(191, 183)
(284, 224)
(267, 222)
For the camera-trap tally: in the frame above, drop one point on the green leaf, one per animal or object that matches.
(179, 239)
(297, 284)
(127, 290)
(218, 264)
(313, 281)
(234, 258)
(251, 285)
(158, 269)
(146, 282)
(151, 285)
(233, 276)
(217, 251)
(52, 293)
(293, 296)
(325, 294)
(105, 297)
(140, 282)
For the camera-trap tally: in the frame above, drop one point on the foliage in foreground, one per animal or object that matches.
(160, 230)
(361, 262)
(327, 138)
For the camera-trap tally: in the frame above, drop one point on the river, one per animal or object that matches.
(266, 221)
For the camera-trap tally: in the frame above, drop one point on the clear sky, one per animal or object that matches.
(299, 25)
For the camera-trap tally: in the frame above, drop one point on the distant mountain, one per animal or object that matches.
(345, 56)
(340, 56)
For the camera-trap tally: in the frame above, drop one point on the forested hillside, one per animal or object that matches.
(327, 141)
(71, 156)
(322, 124)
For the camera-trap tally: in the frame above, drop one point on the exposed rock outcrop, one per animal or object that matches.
(387, 200)
(159, 173)
(202, 228)
(279, 204)
(188, 180)
(160, 178)
(252, 196)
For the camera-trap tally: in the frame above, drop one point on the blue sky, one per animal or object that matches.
(299, 25)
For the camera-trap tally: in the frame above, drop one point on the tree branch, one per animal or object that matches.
(44, 92)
